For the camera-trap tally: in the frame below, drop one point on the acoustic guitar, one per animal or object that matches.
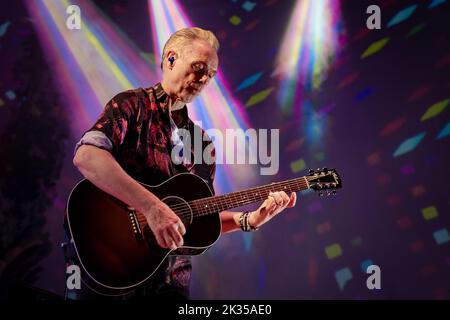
(118, 251)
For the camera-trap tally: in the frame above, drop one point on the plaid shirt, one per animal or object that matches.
(136, 127)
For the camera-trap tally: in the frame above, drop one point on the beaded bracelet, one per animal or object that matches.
(244, 224)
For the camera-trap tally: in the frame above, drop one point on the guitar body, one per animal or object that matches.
(116, 248)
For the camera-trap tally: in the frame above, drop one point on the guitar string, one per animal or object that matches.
(297, 182)
(229, 199)
(233, 195)
(203, 211)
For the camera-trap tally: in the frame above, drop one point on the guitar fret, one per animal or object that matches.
(237, 199)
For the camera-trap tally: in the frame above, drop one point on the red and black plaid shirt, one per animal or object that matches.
(136, 128)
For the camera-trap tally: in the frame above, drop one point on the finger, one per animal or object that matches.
(285, 198)
(292, 200)
(281, 201)
(181, 228)
(270, 203)
(160, 239)
(278, 199)
(272, 207)
(169, 240)
(265, 204)
(176, 236)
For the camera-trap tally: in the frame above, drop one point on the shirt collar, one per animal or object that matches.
(181, 117)
(161, 95)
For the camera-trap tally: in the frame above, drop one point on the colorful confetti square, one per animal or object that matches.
(374, 158)
(10, 95)
(235, 20)
(409, 144)
(435, 109)
(343, 276)
(445, 132)
(298, 165)
(248, 6)
(4, 28)
(393, 126)
(404, 222)
(402, 15)
(429, 213)
(419, 93)
(435, 3)
(251, 25)
(375, 47)
(333, 251)
(323, 228)
(364, 94)
(441, 236)
(365, 264)
(348, 79)
(418, 190)
(258, 97)
(249, 81)
(416, 29)
(294, 145)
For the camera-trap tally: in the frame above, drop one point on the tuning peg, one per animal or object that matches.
(311, 171)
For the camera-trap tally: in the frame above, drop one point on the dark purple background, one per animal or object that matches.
(287, 258)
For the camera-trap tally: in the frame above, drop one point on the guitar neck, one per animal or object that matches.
(232, 200)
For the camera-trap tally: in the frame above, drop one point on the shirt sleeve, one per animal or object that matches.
(95, 138)
(114, 122)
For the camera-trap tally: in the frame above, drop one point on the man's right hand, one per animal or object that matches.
(166, 226)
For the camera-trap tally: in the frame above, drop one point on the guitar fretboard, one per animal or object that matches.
(231, 200)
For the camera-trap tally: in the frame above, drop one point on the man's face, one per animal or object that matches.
(192, 70)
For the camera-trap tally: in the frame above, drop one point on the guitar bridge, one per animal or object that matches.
(134, 221)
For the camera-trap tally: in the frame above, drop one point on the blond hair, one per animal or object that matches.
(181, 39)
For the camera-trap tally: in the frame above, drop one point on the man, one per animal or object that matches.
(132, 141)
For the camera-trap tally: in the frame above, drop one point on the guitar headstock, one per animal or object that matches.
(324, 180)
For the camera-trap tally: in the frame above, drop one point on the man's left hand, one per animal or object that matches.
(275, 203)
